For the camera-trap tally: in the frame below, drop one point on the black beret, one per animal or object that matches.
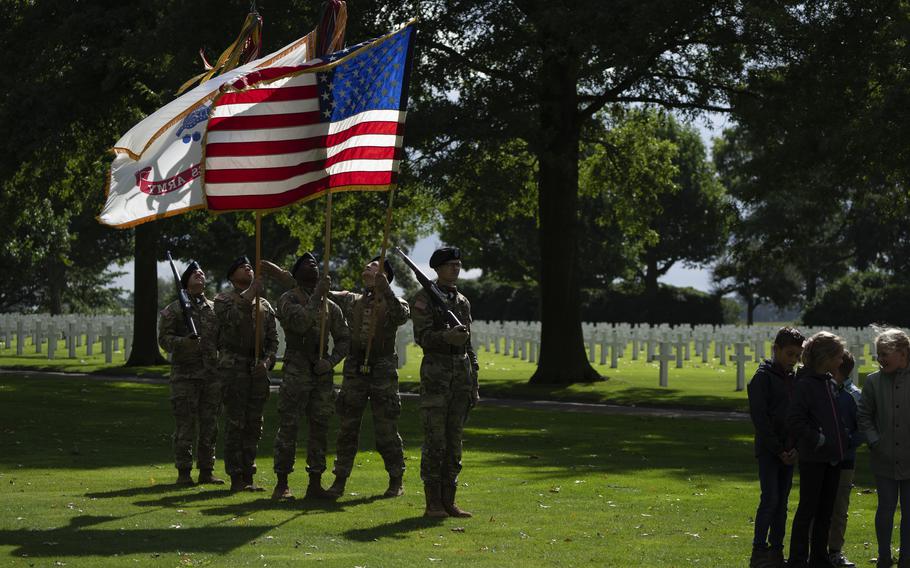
(389, 273)
(190, 269)
(305, 256)
(444, 255)
(238, 262)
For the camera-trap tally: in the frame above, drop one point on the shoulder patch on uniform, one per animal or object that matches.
(419, 304)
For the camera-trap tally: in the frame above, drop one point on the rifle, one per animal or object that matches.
(436, 295)
(185, 306)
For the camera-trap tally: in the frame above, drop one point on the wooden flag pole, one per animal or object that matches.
(256, 275)
(374, 316)
(325, 269)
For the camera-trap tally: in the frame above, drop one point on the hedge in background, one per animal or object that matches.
(498, 301)
(862, 298)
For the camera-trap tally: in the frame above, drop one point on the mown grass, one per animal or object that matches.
(697, 385)
(85, 480)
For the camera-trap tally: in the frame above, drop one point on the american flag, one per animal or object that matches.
(285, 134)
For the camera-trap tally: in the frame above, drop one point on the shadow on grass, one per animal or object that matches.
(124, 425)
(79, 538)
(658, 397)
(395, 530)
(300, 504)
(146, 490)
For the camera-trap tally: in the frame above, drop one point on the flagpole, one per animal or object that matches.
(325, 269)
(256, 275)
(374, 316)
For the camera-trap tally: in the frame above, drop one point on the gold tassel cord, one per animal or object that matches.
(243, 50)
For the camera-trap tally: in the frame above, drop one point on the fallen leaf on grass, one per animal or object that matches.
(554, 490)
(458, 529)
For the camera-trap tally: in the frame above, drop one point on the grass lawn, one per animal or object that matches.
(696, 385)
(85, 473)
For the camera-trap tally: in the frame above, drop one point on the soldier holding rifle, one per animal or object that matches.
(187, 330)
(448, 378)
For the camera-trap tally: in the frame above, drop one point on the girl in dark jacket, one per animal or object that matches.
(821, 441)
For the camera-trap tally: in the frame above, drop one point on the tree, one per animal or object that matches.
(817, 159)
(539, 72)
(757, 275)
(692, 223)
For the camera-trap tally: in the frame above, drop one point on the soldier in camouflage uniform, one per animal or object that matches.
(195, 384)
(377, 382)
(307, 386)
(448, 384)
(246, 381)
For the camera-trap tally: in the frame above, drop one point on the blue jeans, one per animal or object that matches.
(775, 479)
(889, 490)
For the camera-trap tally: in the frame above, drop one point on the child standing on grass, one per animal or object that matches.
(820, 438)
(848, 397)
(884, 420)
(770, 391)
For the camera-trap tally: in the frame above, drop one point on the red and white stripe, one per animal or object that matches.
(267, 147)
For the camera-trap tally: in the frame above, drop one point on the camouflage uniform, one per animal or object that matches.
(302, 390)
(448, 383)
(195, 384)
(244, 394)
(379, 387)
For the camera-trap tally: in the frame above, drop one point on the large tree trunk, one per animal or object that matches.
(56, 277)
(751, 304)
(651, 275)
(811, 286)
(562, 352)
(145, 309)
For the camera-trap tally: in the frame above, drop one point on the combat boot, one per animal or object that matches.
(282, 492)
(314, 490)
(433, 494)
(206, 476)
(184, 477)
(395, 487)
(337, 488)
(448, 501)
(237, 483)
(249, 484)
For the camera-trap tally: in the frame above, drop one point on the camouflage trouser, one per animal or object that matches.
(244, 401)
(196, 404)
(445, 401)
(303, 393)
(385, 403)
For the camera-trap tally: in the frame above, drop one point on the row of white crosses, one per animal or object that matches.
(45, 331)
(114, 333)
(663, 344)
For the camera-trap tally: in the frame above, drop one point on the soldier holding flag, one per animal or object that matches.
(246, 379)
(371, 375)
(308, 386)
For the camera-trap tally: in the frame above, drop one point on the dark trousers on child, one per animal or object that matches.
(889, 492)
(817, 491)
(775, 479)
